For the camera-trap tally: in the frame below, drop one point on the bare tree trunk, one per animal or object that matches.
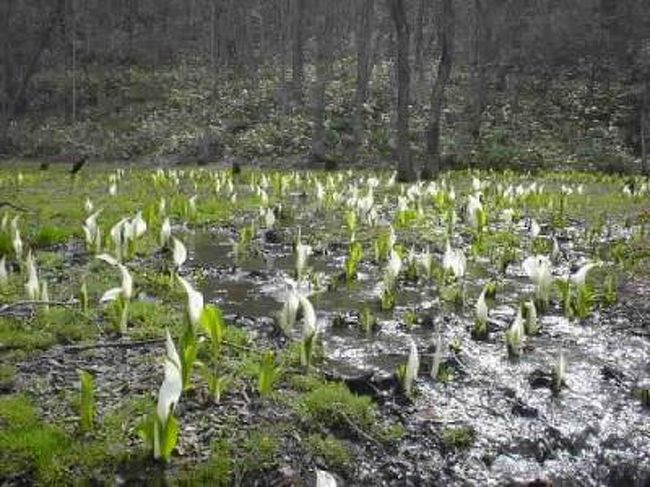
(643, 134)
(323, 66)
(364, 69)
(405, 169)
(284, 36)
(419, 49)
(447, 32)
(298, 60)
(213, 59)
(255, 42)
(74, 61)
(478, 72)
(7, 75)
(17, 99)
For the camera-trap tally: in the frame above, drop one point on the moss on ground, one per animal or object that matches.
(45, 454)
(331, 450)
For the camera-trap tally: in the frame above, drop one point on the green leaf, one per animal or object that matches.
(87, 403)
(169, 437)
(214, 325)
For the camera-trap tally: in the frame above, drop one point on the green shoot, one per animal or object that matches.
(189, 351)
(87, 401)
(269, 373)
(217, 384)
(367, 321)
(355, 254)
(214, 325)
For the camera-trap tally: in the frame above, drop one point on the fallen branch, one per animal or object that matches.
(11, 205)
(124, 344)
(134, 343)
(8, 307)
(358, 430)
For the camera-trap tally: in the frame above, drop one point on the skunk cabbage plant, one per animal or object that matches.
(16, 240)
(538, 269)
(179, 253)
(579, 278)
(162, 429)
(121, 295)
(92, 232)
(411, 370)
(303, 251)
(531, 325)
(309, 331)
(480, 324)
(325, 479)
(165, 232)
(32, 286)
(515, 335)
(454, 260)
(194, 302)
(4, 277)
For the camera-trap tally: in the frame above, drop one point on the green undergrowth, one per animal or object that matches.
(181, 112)
(237, 460)
(334, 452)
(38, 452)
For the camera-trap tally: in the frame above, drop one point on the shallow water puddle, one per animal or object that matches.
(522, 431)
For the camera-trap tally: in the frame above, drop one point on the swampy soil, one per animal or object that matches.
(487, 419)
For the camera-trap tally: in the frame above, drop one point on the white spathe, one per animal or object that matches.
(126, 289)
(90, 228)
(165, 232)
(303, 251)
(138, 226)
(535, 229)
(481, 308)
(172, 386)
(3, 271)
(179, 253)
(310, 325)
(17, 244)
(32, 285)
(412, 367)
(538, 269)
(88, 206)
(393, 267)
(474, 206)
(579, 278)
(454, 260)
(325, 479)
(194, 301)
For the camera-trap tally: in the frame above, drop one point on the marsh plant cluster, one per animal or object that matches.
(109, 260)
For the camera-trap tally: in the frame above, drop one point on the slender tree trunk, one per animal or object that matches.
(7, 74)
(447, 33)
(17, 100)
(364, 69)
(74, 61)
(405, 169)
(284, 35)
(643, 134)
(298, 58)
(213, 59)
(419, 49)
(323, 73)
(255, 42)
(478, 72)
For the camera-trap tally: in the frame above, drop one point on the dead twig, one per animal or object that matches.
(124, 344)
(135, 343)
(8, 307)
(358, 430)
